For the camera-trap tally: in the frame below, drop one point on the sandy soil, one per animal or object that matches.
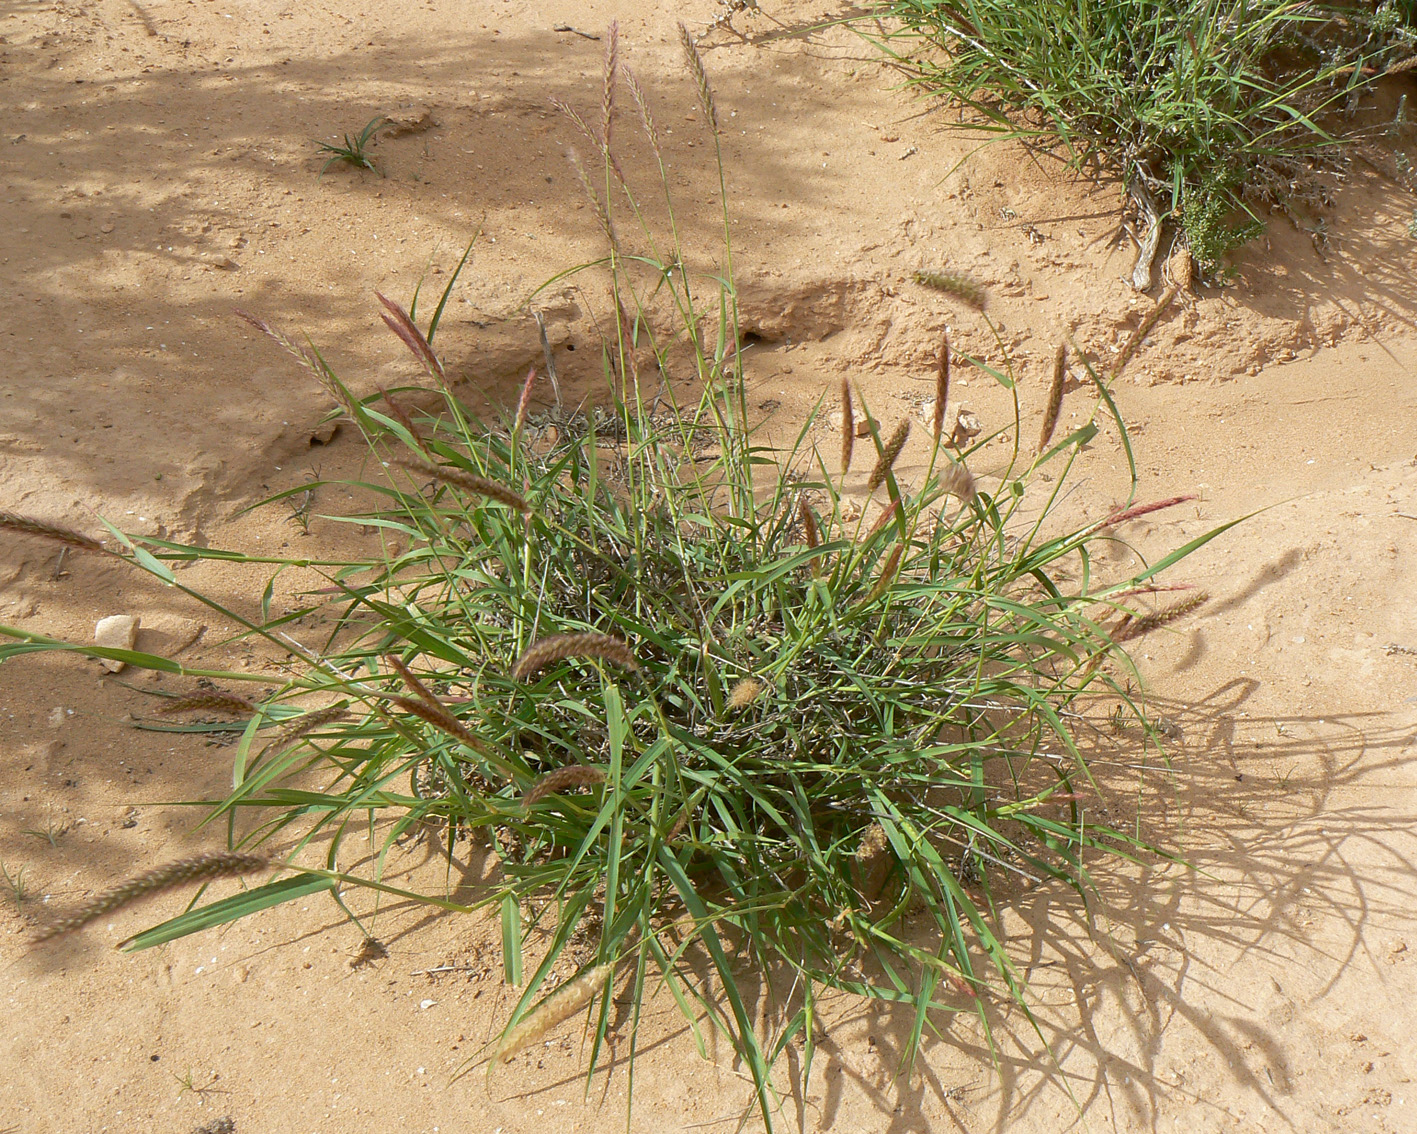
(159, 172)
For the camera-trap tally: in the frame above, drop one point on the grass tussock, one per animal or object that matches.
(799, 744)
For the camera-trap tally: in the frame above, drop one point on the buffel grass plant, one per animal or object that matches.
(1211, 108)
(706, 721)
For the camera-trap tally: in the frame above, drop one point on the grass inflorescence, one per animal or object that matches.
(702, 716)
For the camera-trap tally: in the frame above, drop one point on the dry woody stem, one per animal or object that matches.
(202, 868)
(558, 647)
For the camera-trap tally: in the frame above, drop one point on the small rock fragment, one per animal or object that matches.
(118, 632)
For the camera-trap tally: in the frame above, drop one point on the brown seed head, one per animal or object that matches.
(607, 92)
(213, 702)
(524, 402)
(696, 69)
(398, 321)
(1055, 397)
(307, 723)
(201, 868)
(25, 525)
(887, 575)
(1124, 514)
(958, 481)
(1129, 629)
(466, 481)
(848, 426)
(557, 647)
(942, 386)
(888, 455)
(575, 775)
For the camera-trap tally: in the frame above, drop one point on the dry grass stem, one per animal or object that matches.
(575, 775)
(468, 482)
(696, 68)
(1128, 629)
(201, 868)
(11, 521)
(942, 387)
(558, 647)
(560, 1006)
(889, 455)
(961, 287)
(210, 702)
(1140, 334)
(1055, 397)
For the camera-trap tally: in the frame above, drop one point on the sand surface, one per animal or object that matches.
(159, 171)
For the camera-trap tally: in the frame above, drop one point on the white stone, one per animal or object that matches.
(119, 632)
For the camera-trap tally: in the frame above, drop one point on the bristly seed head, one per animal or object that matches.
(942, 386)
(958, 481)
(888, 455)
(1128, 629)
(467, 481)
(215, 702)
(1055, 396)
(574, 775)
(848, 426)
(201, 868)
(399, 321)
(744, 693)
(696, 68)
(307, 723)
(14, 522)
(558, 647)
(565, 1002)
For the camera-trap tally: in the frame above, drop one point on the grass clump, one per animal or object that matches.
(1202, 105)
(708, 722)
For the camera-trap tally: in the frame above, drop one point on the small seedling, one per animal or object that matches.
(186, 1083)
(52, 832)
(15, 884)
(355, 150)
